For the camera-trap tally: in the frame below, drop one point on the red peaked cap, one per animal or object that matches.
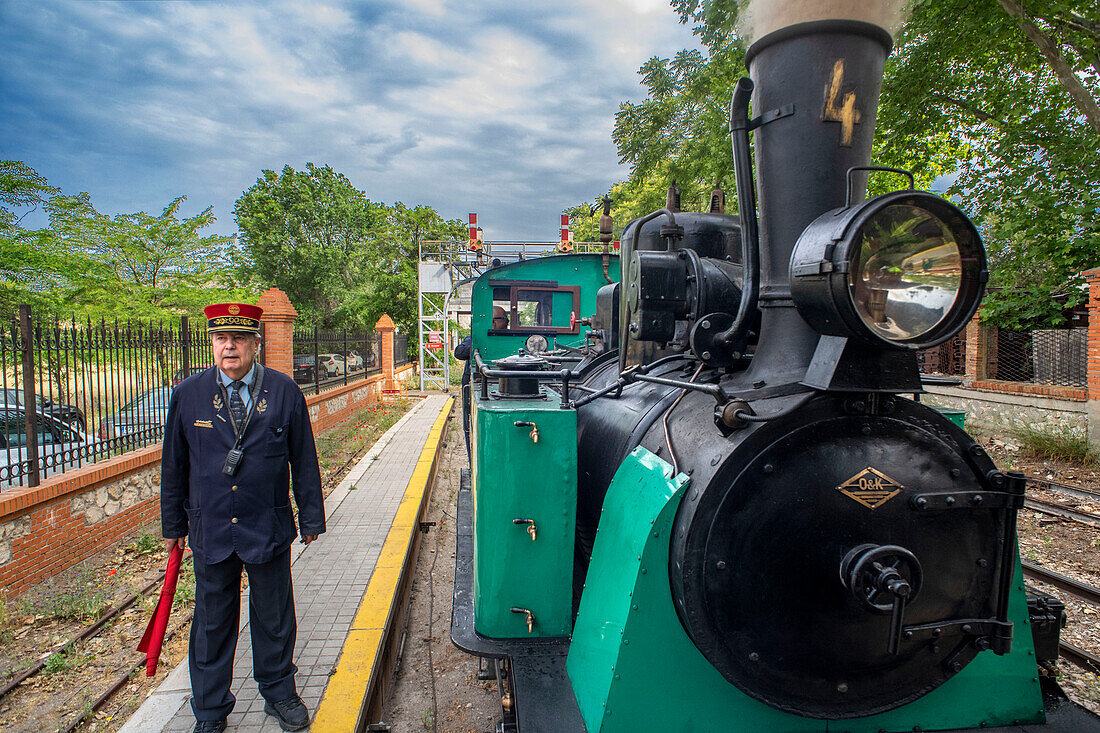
(240, 317)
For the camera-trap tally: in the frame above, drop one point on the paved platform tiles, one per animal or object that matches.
(330, 578)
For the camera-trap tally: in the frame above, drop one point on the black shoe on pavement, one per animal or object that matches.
(291, 713)
(209, 726)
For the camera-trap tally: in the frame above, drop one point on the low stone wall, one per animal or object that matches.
(67, 519)
(998, 410)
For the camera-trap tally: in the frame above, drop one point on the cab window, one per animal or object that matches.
(539, 307)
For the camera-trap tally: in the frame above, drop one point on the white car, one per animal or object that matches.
(354, 361)
(333, 364)
(59, 446)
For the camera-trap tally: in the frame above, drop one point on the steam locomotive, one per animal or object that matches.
(700, 497)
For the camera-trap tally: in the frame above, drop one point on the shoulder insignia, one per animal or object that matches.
(261, 406)
(217, 402)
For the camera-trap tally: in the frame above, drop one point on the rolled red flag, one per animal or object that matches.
(158, 625)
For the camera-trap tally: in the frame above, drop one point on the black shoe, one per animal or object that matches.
(291, 713)
(209, 726)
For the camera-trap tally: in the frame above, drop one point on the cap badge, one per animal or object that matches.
(234, 310)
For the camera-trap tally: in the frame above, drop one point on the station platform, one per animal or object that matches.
(347, 587)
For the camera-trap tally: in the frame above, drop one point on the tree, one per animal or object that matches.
(342, 259)
(24, 265)
(1001, 94)
(308, 233)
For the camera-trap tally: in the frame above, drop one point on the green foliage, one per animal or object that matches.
(80, 594)
(1056, 442)
(342, 259)
(185, 587)
(146, 544)
(58, 662)
(1002, 95)
(97, 265)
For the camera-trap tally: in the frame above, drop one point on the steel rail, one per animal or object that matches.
(1083, 591)
(120, 682)
(1083, 659)
(1046, 507)
(1078, 491)
(87, 633)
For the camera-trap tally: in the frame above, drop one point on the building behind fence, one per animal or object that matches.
(101, 389)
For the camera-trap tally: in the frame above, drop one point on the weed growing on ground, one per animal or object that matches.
(426, 720)
(185, 587)
(146, 544)
(5, 620)
(1056, 442)
(83, 595)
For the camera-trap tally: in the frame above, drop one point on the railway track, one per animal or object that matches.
(91, 631)
(1090, 594)
(1058, 510)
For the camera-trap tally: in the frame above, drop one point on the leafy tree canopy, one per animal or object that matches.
(341, 258)
(1003, 95)
(94, 264)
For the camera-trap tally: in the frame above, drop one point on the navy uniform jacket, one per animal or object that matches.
(248, 513)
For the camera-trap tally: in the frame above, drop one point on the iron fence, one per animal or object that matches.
(97, 389)
(1054, 356)
(401, 349)
(327, 358)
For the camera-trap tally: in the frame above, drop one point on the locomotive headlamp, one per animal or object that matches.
(904, 270)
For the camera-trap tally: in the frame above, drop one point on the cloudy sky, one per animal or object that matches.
(501, 107)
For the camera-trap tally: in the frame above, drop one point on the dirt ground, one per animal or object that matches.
(443, 694)
(463, 704)
(37, 624)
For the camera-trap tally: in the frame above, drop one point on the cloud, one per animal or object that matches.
(496, 107)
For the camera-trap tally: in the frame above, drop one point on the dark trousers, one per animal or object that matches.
(215, 626)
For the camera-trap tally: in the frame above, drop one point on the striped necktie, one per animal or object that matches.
(236, 404)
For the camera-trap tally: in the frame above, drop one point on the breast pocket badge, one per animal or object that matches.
(204, 424)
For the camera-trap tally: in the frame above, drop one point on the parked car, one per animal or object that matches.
(333, 364)
(305, 369)
(60, 447)
(147, 412)
(180, 375)
(71, 416)
(354, 361)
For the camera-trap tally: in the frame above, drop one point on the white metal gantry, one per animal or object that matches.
(443, 268)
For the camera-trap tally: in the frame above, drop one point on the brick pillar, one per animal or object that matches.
(385, 329)
(977, 350)
(278, 320)
(1092, 368)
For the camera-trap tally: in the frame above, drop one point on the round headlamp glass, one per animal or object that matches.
(904, 270)
(905, 273)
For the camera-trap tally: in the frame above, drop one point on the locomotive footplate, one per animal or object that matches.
(542, 697)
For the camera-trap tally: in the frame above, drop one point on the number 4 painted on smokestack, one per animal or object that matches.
(846, 114)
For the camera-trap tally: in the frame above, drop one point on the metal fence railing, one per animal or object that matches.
(401, 349)
(1054, 356)
(326, 358)
(96, 389)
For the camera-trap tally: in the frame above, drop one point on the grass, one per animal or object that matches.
(1056, 442)
(365, 426)
(185, 587)
(147, 544)
(83, 596)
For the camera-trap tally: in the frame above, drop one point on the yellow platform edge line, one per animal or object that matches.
(342, 703)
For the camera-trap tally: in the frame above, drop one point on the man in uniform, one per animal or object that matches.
(233, 436)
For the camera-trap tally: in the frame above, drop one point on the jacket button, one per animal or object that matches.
(234, 488)
(234, 520)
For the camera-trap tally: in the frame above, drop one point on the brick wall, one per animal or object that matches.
(68, 518)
